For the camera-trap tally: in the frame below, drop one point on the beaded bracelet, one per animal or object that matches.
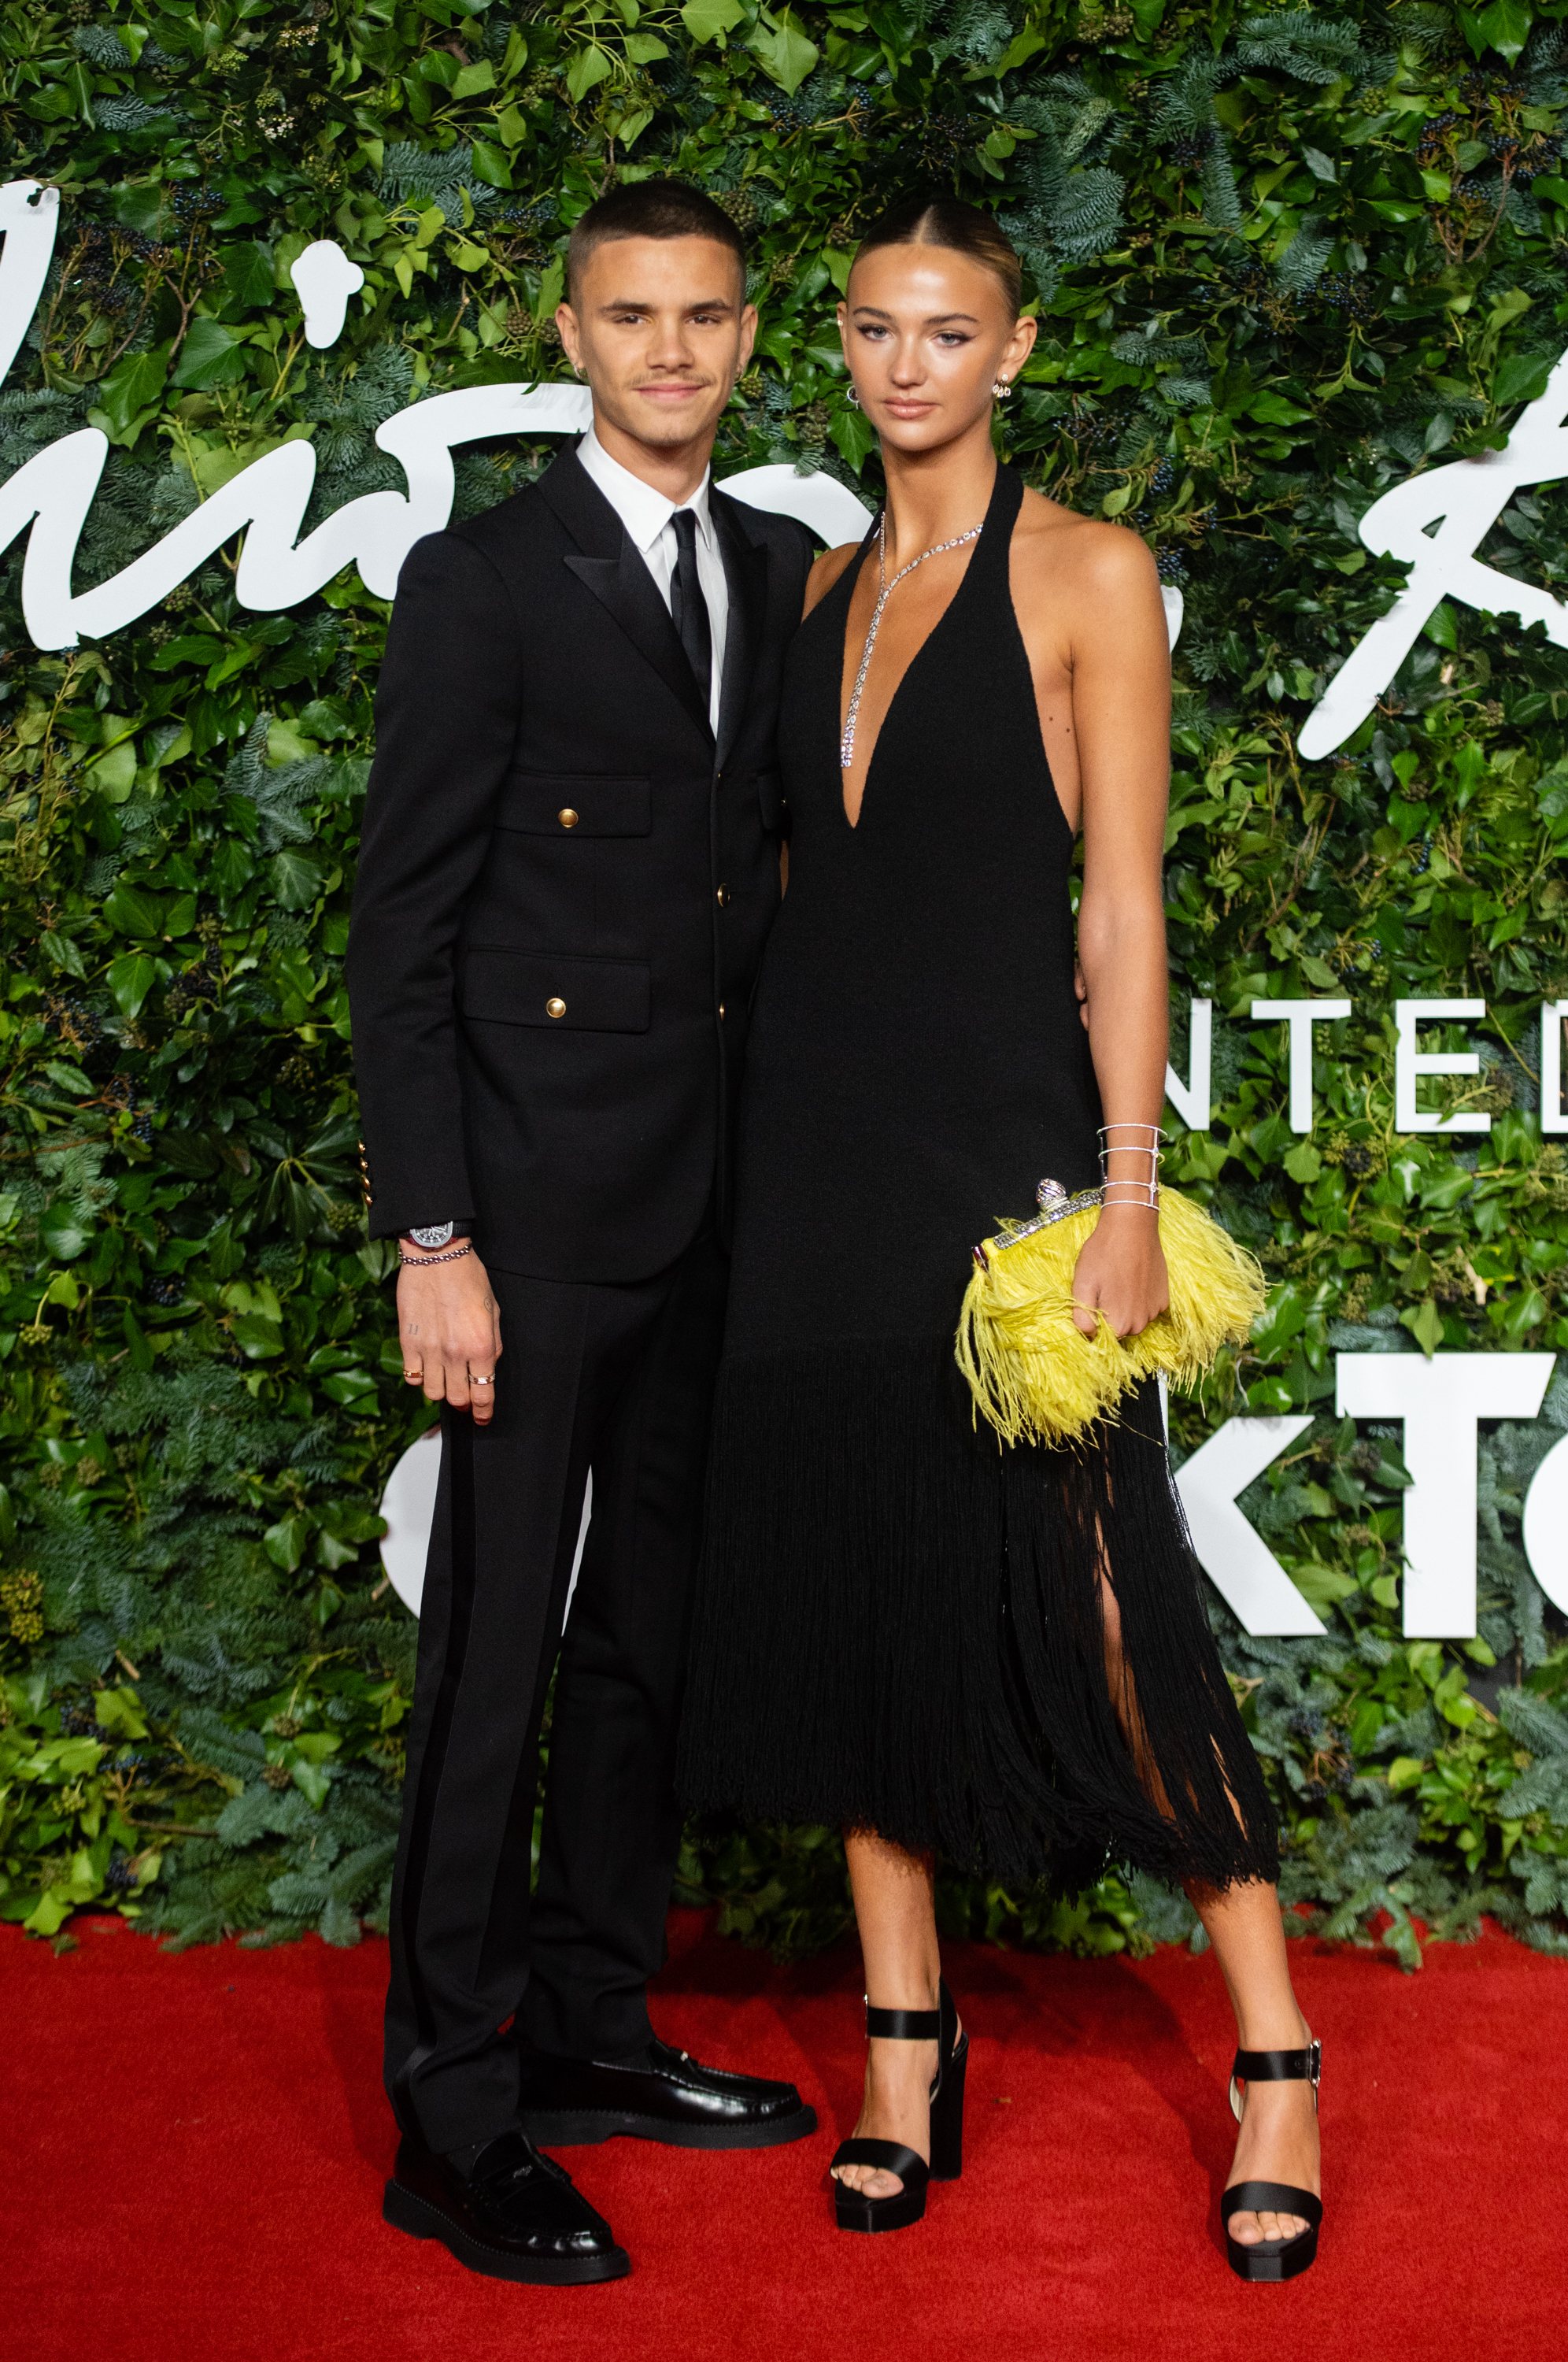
(418, 1263)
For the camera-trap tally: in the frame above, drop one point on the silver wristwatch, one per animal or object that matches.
(437, 1235)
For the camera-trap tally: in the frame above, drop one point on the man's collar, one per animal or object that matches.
(643, 511)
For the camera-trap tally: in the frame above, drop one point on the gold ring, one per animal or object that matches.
(480, 1382)
(411, 1375)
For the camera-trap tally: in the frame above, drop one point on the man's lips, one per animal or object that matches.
(680, 390)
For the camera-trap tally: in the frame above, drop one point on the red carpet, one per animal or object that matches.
(195, 2149)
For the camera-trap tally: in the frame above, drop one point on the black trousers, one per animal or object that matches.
(617, 1380)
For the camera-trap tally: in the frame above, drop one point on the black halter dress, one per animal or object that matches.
(898, 1622)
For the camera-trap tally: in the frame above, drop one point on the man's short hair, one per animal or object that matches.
(651, 209)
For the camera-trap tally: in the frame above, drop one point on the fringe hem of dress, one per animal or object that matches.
(899, 1628)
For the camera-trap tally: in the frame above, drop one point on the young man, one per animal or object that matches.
(569, 865)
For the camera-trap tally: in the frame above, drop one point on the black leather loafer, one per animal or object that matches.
(660, 2096)
(517, 2217)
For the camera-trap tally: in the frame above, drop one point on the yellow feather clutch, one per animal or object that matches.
(1035, 1375)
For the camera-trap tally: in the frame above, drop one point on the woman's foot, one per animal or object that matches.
(897, 2107)
(1277, 2142)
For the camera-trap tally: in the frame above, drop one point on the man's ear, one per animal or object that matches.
(565, 321)
(747, 336)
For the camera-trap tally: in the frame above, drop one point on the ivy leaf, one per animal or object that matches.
(711, 20)
(1273, 410)
(491, 164)
(209, 357)
(312, 1780)
(1505, 27)
(132, 910)
(784, 50)
(247, 274)
(1425, 1325)
(257, 1337)
(1521, 378)
(62, 1234)
(232, 867)
(131, 395)
(854, 434)
(585, 67)
(295, 876)
(131, 979)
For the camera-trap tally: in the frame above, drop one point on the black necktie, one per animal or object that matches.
(688, 607)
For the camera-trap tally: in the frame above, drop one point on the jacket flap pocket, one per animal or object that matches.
(594, 996)
(556, 803)
(770, 797)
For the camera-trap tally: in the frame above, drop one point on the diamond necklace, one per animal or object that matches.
(885, 591)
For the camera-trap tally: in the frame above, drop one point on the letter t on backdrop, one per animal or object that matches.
(1439, 1402)
(1301, 1016)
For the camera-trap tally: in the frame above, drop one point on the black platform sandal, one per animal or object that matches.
(853, 2209)
(1273, 2260)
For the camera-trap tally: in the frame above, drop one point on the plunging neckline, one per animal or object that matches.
(847, 669)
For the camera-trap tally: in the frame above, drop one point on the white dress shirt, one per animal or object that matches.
(647, 515)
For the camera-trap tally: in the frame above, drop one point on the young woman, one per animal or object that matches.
(902, 1626)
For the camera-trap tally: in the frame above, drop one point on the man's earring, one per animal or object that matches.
(1002, 390)
(851, 398)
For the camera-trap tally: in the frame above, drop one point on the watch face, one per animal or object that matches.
(438, 1235)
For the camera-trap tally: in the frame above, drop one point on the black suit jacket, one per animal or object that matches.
(564, 885)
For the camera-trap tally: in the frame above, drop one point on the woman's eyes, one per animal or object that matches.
(874, 333)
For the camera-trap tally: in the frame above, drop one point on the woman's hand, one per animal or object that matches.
(450, 1333)
(1120, 1273)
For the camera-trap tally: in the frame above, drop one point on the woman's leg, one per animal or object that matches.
(895, 1910)
(1278, 2139)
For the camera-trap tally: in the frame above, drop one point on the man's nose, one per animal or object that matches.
(669, 347)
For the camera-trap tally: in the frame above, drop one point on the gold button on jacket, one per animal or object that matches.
(554, 1007)
(566, 817)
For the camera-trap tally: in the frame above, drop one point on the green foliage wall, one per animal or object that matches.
(1279, 261)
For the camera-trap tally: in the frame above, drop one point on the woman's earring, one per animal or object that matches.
(851, 398)
(1002, 389)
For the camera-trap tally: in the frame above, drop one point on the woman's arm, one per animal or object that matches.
(1120, 691)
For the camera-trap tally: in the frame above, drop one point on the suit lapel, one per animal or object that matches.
(745, 573)
(621, 582)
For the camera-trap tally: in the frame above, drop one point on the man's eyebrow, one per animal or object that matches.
(642, 303)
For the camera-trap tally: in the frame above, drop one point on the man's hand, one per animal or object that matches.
(1120, 1273)
(451, 1332)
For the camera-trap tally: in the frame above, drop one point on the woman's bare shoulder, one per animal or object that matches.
(825, 573)
(1094, 554)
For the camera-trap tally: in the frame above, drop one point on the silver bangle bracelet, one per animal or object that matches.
(1146, 1141)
